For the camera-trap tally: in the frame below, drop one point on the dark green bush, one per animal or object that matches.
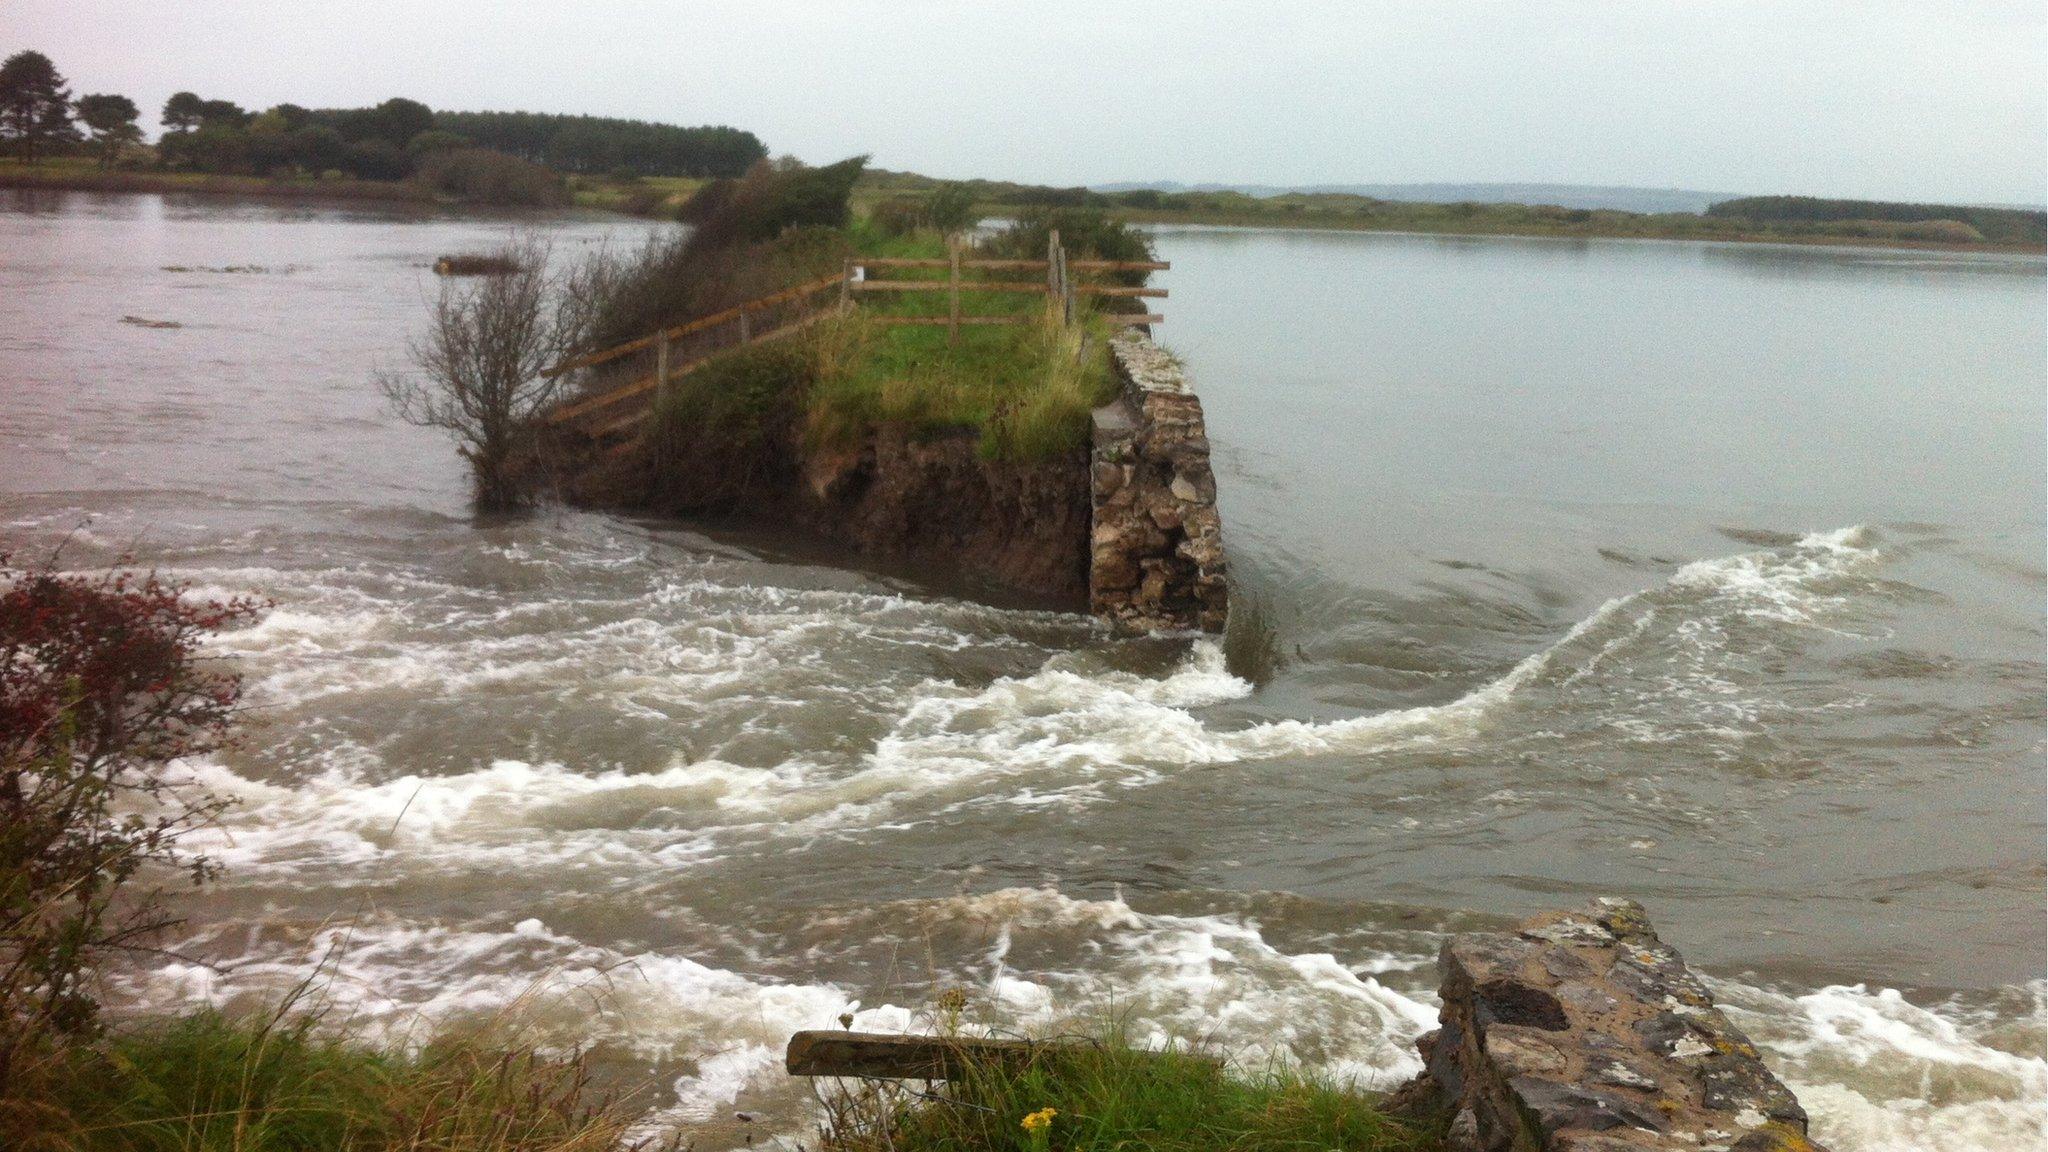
(481, 176)
(898, 215)
(771, 198)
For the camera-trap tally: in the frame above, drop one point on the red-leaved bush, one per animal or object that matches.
(102, 685)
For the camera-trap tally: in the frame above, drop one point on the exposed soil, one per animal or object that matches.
(930, 499)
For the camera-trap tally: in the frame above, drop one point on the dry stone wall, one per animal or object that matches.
(1583, 1032)
(1156, 540)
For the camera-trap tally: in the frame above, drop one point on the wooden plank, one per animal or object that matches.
(1123, 319)
(953, 290)
(622, 423)
(1120, 265)
(603, 399)
(646, 383)
(1115, 290)
(883, 1056)
(697, 325)
(965, 320)
(1031, 286)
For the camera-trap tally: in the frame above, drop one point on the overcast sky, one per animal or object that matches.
(1936, 99)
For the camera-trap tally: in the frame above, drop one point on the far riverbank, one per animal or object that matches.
(655, 198)
(1527, 222)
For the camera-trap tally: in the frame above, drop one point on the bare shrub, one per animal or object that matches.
(478, 367)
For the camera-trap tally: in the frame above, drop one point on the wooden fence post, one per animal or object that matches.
(660, 385)
(1052, 270)
(846, 285)
(746, 326)
(953, 289)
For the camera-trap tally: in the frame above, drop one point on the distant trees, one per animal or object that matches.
(111, 119)
(35, 104)
(599, 144)
(182, 112)
(396, 139)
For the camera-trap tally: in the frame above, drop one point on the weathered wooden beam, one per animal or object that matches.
(890, 1057)
(1119, 319)
(1120, 265)
(647, 383)
(697, 325)
(1114, 290)
(567, 412)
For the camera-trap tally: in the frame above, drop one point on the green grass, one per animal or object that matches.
(1027, 387)
(210, 1083)
(1114, 1098)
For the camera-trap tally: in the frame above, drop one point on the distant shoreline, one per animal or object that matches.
(1310, 222)
(403, 193)
(73, 180)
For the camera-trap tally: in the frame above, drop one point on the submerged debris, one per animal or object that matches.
(475, 264)
(141, 322)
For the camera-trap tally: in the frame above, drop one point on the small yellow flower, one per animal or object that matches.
(1040, 1120)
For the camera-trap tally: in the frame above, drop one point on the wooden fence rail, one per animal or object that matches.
(1059, 286)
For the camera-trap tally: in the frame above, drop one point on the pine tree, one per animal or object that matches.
(35, 105)
(112, 121)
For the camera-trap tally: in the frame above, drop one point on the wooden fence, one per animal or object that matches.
(683, 348)
(1059, 285)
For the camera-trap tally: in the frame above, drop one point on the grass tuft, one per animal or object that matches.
(213, 1083)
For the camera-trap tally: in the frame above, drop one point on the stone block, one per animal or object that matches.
(1584, 1032)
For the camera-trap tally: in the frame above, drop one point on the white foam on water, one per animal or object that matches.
(1059, 718)
(392, 982)
(1211, 979)
(1878, 1073)
(1058, 736)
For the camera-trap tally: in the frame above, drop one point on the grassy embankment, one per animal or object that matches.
(1026, 388)
(1116, 1098)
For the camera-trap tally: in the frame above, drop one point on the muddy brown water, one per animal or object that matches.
(1706, 574)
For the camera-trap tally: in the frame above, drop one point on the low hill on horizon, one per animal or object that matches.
(1593, 196)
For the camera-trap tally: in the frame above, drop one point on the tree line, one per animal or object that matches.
(601, 145)
(393, 140)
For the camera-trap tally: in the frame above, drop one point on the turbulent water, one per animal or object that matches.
(1707, 575)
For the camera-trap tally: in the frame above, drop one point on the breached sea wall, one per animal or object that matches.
(1583, 1032)
(1155, 548)
(1126, 526)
